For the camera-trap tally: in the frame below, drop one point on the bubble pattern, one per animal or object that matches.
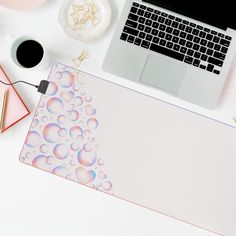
(62, 138)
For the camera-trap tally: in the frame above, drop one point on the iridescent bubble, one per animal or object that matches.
(35, 123)
(52, 88)
(89, 110)
(88, 98)
(75, 132)
(50, 160)
(44, 118)
(87, 132)
(41, 162)
(55, 106)
(43, 148)
(92, 123)
(58, 75)
(67, 96)
(76, 87)
(74, 146)
(83, 176)
(61, 151)
(102, 175)
(61, 119)
(41, 103)
(60, 171)
(50, 133)
(100, 162)
(86, 158)
(67, 79)
(87, 147)
(73, 115)
(33, 139)
(79, 100)
(62, 132)
(107, 186)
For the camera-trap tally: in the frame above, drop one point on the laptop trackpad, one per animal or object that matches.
(163, 74)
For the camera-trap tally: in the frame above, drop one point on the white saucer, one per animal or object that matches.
(89, 32)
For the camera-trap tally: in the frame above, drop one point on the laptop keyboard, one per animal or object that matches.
(176, 38)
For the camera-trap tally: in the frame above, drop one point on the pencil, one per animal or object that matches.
(4, 103)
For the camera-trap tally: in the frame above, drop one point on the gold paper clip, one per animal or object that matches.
(3, 112)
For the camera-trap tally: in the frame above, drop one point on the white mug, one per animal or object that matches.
(16, 42)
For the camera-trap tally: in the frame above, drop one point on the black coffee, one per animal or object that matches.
(29, 53)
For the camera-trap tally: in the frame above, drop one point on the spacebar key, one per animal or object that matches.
(167, 52)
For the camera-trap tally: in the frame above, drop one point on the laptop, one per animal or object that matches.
(184, 48)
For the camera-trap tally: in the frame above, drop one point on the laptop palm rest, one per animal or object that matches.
(163, 74)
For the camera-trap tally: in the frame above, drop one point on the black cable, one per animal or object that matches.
(20, 81)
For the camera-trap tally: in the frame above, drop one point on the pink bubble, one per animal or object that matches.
(41, 162)
(33, 139)
(86, 158)
(76, 87)
(61, 119)
(61, 171)
(102, 175)
(75, 132)
(88, 98)
(79, 100)
(87, 132)
(62, 132)
(61, 151)
(83, 176)
(55, 106)
(73, 115)
(44, 119)
(50, 133)
(92, 123)
(100, 162)
(67, 96)
(87, 147)
(89, 110)
(52, 89)
(67, 79)
(58, 75)
(43, 148)
(74, 146)
(107, 186)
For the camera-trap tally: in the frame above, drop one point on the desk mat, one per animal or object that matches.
(136, 148)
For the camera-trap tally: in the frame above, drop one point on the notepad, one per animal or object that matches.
(15, 107)
(136, 148)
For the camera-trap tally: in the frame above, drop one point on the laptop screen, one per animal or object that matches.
(219, 14)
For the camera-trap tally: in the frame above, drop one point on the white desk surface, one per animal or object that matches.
(33, 202)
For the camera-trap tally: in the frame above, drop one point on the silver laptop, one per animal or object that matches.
(182, 47)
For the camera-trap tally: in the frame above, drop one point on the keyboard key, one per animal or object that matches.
(155, 25)
(167, 52)
(224, 42)
(169, 30)
(192, 25)
(149, 37)
(196, 62)
(196, 40)
(137, 41)
(142, 35)
(147, 29)
(168, 22)
(195, 32)
(197, 55)
(188, 59)
(169, 45)
(141, 27)
(161, 19)
(214, 61)
(133, 17)
(135, 4)
(207, 30)
(199, 27)
(209, 37)
(148, 22)
(203, 57)
(176, 47)
(183, 49)
(143, 7)
(150, 9)
(168, 37)
(202, 34)
(210, 67)
(131, 24)
(154, 32)
(209, 52)
(155, 40)
(221, 35)
(216, 72)
(190, 52)
(140, 12)
(217, 47)
(224, 49)
(157, 12)
(203, 67)
(181, 27)
(164, 14)
(171, 17)
(203, 49)
(176, 32)
(141, 20)
(196, 47)
(210, 45)
(130, 31)
(154, 17)
(213, 32)
(124, 36)
(161, 34)
(189, 44)
(162, 42)
(219, 55)
(216, 39)
(134, 9)
(147, 14)
(228, 37)
(175, 39)
(182, 35)
(162, 27)
(189, 37)
(178, 19)
(185, 22)
(130, 39)
(203, 42)
(188, 29)
(145, 44)
(182, 42)
(175, 24)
